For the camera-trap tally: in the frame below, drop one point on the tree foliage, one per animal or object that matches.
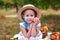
(43, 4)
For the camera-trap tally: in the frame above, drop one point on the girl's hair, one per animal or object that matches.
(22, 13)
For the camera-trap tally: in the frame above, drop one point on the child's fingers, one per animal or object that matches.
(31, 25)
(37, 21)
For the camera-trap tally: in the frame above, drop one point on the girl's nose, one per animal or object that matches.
(29, 16)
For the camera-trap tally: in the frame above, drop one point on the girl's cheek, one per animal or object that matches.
(26, 17)
(32, 18)
(29, 17)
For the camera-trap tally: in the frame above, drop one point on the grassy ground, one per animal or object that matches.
(52, 21)
(10, 26)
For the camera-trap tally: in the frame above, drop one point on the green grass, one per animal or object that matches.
(49, 17)
(52, 21)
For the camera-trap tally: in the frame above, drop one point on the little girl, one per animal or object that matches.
(30, 27)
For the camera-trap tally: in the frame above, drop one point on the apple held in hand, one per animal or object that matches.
(36, 20)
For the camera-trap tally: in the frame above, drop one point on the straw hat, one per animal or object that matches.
(28, 6)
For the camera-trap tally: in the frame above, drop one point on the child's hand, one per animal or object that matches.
(31, 25)
(36, 20)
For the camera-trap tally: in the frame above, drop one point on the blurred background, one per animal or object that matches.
(9, 22)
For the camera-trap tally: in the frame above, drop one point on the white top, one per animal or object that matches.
(22, 25)
(38, 36)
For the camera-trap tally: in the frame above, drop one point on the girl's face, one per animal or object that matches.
(29, 15)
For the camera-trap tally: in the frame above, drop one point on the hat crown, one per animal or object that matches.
(28, 5)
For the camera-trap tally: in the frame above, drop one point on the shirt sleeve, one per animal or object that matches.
(21, 24)
(39, 25)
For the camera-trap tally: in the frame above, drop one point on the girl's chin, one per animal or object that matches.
(29, 22)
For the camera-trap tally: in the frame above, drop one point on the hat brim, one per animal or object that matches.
(29, 7)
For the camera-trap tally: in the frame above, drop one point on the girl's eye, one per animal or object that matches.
(31, 15)
(27, 15)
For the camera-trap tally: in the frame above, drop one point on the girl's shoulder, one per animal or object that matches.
(38, 25)
(21, 24)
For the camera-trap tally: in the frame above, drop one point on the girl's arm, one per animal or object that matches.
(26, 34)
(34, 31)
